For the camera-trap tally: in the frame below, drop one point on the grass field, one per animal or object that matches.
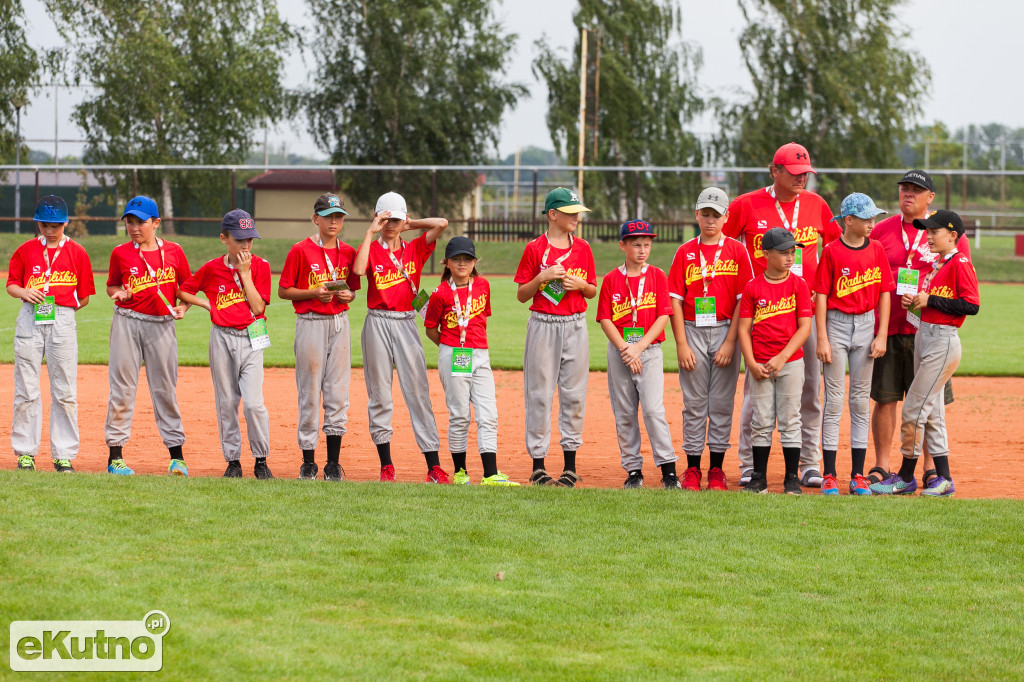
(990, 341)
(288, 579)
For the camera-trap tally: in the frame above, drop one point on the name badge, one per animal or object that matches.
(633, 334)
(914, 317)
(706, 313)
(906, 281)
(259, 337)
(797, 268)
(46, 312)
(420, 303)
(462, 362)
(553, 291)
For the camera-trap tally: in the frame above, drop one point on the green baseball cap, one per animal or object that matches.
(565, 200)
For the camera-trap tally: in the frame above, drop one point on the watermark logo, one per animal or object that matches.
(89, 645)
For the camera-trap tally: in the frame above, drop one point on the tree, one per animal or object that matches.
(175, 83)
(409, 82)
(646, 95)
(19, 73)
(832, 75)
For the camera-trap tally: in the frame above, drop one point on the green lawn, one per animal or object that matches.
(289, 579)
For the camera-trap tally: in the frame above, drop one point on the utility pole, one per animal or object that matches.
(18, 102)
(583, 111)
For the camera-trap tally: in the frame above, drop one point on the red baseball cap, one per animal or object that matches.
(795, 158)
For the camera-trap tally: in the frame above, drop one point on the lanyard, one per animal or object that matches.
(906, 242)
(704, 264)
(152, 273)
(238, 281)
(547, 252)
(634, 303)
(782, 216)
(49, 263)
(398, 264)
(936, 266)
(327, 259)
(463, 320)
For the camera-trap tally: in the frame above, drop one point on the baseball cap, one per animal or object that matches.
(947, 219)
(858, 205)
(715, 198)
(394, 202)
(460, 246)
(777, 239)
(636, 228)
(326, 204)
(51, 209)
(795, 159)
(142, 207)
(239, 225)
(564, 200)
(919, 178)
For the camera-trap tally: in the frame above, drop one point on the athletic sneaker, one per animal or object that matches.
(308, 471)
(894, 485)
(437, 475)
(671, 482)
(119, 467)
(63, 466)
(829, 485)
(716, 479)
(877, 475)
(234, 470)
(462, 478)
(333, 472)
(261, 471)
(541, 477)
(757, 483)
(634, 480)
(177, 467)
(859, 485)
(498, 479)
(27, 463)
(811, 478)
(939, 487)
(691, 479)
(387, 473)
(745, 476)
(569, 479)
(791, 485)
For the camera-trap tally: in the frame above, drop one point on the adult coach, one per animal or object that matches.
(786, 203)
(906, 248)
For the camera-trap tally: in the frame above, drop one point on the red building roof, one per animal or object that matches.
(318, 180)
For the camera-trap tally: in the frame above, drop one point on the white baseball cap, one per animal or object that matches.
(394, 202)
(715, 198)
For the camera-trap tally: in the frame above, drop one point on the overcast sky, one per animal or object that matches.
(971, 48)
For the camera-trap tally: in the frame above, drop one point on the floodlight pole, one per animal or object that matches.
(18, 104)
(583, 110)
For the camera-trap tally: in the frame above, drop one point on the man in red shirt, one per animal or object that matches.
(786, 203)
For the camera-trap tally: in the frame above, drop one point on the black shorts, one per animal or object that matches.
(894, 372)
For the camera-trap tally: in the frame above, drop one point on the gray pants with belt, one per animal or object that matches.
(391, 342)
(460, 392)
(709, 391)
(323, 366)
(776, 401)
(630, 393)
(849, 337)
(237, 372)
(936, 357)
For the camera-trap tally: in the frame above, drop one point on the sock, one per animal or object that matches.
(538, 464)
(942, 467)
(261, 460)
(761, 453)
(432, 459)
(459, 461)
(570, 460)
(384, 453)
(858, 455)
(667, 469)
(693, 461)
(907, 469)
(333, 449)
(115, 453)
(792, 456)
(176, 453)
(490, 462)
(307, 456)
(717, 458)
(829, 456)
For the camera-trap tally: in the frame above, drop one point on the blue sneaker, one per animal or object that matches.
(939, 487)
(829, 485)
(120, 468)
(177, 467)
(894, 485)
(859, 485)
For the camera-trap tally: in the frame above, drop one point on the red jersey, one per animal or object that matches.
(386, 286)
(725, 278)
(853, 279)
(903, 244)
(754, 213)
(954, 279)
(228, 307)
(579, 262)
(441, 313)
(619, 294)
(309, 266)
(70, 271)
(774, 308)
(134, 269)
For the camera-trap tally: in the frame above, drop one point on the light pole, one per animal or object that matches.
(18, 101)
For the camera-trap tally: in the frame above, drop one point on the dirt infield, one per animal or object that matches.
(984, 423)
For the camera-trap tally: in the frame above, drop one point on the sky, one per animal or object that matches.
(968, 66)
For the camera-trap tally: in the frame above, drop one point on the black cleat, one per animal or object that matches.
(634, 480)
(333, 472)
(308, 471)
(261, 470)
(758, 483)
(234, 470)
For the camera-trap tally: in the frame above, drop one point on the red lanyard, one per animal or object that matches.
(153, 274)
(634, 303)
(49, 263)
(462, 319)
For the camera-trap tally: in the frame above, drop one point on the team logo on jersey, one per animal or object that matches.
(722, 267)
(64, 277)
(616, 297)
(222, 288)
(315, 267)
(762, 224)
(964, 259)
(379, 268)
(761, 302)
(620, 310)
(847, 285)
(229, 298)
(941, 291)
(576, 272)
(451, 321)
(36, 269)
(845, 272)
(691, 256)
(387, 280)
(133, 271)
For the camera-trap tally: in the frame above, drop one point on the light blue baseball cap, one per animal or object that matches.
(858, 205)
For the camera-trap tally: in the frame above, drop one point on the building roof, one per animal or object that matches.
(320, 180)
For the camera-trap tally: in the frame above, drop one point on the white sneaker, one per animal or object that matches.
(745, 476)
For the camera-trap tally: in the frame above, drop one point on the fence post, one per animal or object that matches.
(233, 206)
(636, 195)
(135, 182)
(842, 184)
(533, 212)
(37, 185)
(977, 234)
(949, 189)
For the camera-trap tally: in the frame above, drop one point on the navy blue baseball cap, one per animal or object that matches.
(239, 225)
(142, 207)
(51, 209)
(636, 228)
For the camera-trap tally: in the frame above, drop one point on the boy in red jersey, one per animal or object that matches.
(775, 321)
(853, 279)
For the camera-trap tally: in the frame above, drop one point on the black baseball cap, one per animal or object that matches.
(946, 219)
(460, 246)
(919, 178)
(326, 204)
(777, 239)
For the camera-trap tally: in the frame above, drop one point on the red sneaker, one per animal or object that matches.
(437, 475)
(716, 480)
(691, 479)
(387, 473)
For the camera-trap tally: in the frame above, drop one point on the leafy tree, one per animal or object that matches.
(20, 67)
(646, 97)
(175, 83)
(409, 82)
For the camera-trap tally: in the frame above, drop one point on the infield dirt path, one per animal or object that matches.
(985, 426)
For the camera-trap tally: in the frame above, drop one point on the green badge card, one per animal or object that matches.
(633, 334)
(46, 312)
(798, 262)
(462, 362)
(259, 337)
(706, 313)
(553, 291)
(419, 303)
(906, 281)
(914, 317)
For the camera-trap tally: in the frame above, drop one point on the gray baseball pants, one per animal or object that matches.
(645, 391)
(136, 338)
(709, 391)
(237, 372)
(936, 357)
(391, 342)
(462, 391)
(557, 355)
(777, 401)
(323, 366)
(849, 337)
(58, 343)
